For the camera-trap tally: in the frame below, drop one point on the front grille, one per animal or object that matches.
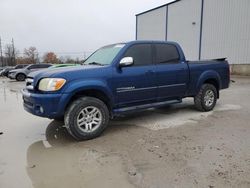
(29, 83)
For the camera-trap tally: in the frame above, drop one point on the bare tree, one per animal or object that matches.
(22, 60)
(31, 54)
(10, 54)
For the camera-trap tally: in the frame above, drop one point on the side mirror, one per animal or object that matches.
(126, 61)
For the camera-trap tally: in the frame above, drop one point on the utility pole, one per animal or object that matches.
(1, 52)
(14, 54)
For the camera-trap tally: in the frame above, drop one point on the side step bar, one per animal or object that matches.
(144, 106)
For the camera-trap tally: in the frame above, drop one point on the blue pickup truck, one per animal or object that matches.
(122, 78)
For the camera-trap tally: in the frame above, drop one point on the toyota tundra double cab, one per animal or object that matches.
(122, 78)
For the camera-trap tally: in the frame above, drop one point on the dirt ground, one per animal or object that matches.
(174, 146)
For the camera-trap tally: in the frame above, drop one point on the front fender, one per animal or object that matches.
(210, 74)
(20, 72)
(76, 86)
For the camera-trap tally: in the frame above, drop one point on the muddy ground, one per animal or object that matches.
(174, 146)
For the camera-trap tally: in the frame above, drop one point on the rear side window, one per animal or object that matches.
(19, 67)
(141, 53)
(166, 53)
(33, 67)
(44, 66)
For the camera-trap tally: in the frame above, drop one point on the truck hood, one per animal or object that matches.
(68, 73)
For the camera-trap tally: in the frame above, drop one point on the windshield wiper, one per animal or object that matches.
(95, 63)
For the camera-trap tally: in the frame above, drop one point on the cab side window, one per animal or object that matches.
(166, 53)
(141, 53)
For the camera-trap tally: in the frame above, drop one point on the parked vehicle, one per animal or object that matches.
(9, 68)
(19, 66)
(1, 70)
(63, 65)
(21, 74)
(123, 78)
(6, 70)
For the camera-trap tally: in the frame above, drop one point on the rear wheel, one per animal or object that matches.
(206, 99)
(86, 118)
(20, 77)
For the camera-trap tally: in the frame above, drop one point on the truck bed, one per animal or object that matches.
(197, 68)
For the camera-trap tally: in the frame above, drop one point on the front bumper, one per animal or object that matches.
(43, 105)
(11, 75)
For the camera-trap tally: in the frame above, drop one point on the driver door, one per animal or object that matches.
(135, 84)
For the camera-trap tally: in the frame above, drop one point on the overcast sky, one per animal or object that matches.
(70, 26)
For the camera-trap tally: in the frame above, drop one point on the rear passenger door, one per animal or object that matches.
(136, 84)
(172, 74)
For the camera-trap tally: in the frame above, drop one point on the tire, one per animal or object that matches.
(206, 99)
(83, 109)
(20, 77)
(59, 119)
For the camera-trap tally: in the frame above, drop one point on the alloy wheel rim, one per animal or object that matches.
(209, 98)
(21, 77)
(89, 119)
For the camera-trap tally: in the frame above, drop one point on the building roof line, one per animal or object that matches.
(157, 7)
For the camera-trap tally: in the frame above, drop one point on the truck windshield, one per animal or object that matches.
(105, 55)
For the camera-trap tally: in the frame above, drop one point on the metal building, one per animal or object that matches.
(206, 29)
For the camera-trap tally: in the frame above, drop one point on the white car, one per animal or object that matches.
(21, 74)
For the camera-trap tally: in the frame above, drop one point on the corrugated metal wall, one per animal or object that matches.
(152, 25)
(226, 30)
(184, 26)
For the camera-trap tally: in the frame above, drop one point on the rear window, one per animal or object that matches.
(166, 53)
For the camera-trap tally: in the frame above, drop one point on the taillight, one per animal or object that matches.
(229, 72)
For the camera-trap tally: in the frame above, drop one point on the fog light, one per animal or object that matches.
(41, 109)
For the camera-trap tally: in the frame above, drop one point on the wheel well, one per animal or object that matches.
(215, 83)
(20, 73)
(91, 93)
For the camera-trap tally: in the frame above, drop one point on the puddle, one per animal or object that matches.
(74, 166)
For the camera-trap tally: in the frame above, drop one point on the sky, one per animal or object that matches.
(70, 27)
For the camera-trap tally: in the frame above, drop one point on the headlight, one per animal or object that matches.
(51, 84)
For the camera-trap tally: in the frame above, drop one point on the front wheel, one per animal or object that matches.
(20, 77)
(86, 118)
(206, 99)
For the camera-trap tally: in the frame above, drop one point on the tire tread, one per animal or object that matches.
(70, 110)
(198, 99)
